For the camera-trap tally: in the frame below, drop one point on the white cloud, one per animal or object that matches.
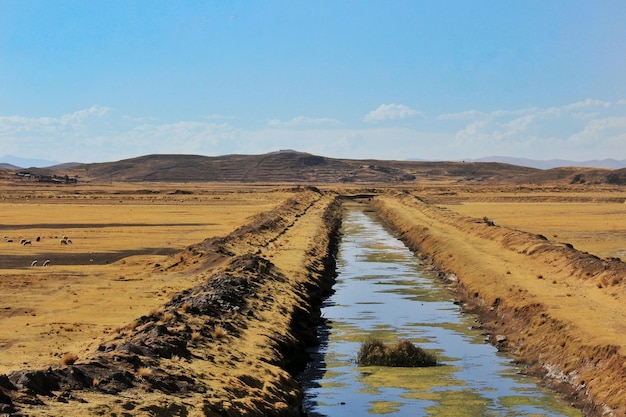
(588, 129)
(80, 115)
(580, 130)
(609, 130)
(386, 112)
(587, 103)
(304, 121)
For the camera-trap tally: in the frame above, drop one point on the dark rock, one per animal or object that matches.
(39, 382)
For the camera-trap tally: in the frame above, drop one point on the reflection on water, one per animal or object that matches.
(382, 292)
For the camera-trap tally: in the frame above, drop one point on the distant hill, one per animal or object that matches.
(17, 162)
(554, 163)
(9, 166)
(289, 166)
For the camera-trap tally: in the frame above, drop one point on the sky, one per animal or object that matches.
(94, 81)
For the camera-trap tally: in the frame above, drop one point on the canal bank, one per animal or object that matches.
(534, 298)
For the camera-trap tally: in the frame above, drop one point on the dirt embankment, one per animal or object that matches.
(227, 347)
(556, 309)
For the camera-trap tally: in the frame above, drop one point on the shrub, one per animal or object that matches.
(68, 359)
(403, 353)
(144, 372)
(219, 332)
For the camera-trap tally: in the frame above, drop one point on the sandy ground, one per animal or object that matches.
(182, 299)
(560, 309)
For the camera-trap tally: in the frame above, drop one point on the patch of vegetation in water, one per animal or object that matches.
(403, 353)
(464, 402)
(545, 402)
(384, 407)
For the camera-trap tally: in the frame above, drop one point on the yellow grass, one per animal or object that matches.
(123, 263)
(598, 228)
(79, 298)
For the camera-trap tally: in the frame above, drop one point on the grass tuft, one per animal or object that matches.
(403, 353)
(68, 359)
(219, 332)
(144, 372)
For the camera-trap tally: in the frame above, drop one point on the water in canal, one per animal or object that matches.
(383, 292)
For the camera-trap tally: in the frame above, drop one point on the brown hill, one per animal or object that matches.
(290, 166)
(298, 167)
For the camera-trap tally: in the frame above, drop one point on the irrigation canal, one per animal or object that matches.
(383, 292)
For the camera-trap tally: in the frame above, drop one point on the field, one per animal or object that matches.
(593, 220)
(106, 277)
(137, 248)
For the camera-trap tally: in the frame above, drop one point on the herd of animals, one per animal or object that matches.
(26, 242)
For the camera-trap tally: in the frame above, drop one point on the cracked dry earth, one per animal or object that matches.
(222, 348)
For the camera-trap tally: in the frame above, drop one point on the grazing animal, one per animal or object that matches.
(27, 242)
(46, 262)
(65, 240)
(34, 263)
(38, 238)
(22, 241)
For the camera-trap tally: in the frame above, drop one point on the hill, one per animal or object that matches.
(289, 166)
(297, 167)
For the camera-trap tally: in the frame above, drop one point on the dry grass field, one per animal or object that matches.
(108, 275)
(592, 220)
(135, 248)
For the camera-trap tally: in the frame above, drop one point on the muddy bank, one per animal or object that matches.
(227, 347)
(557, 310)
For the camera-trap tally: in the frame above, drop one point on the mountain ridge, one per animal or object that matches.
(288, 166)
(16, 162)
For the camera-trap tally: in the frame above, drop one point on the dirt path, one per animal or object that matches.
(222, 348)
(560, 310)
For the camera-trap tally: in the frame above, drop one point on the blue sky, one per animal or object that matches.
(440, 80)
